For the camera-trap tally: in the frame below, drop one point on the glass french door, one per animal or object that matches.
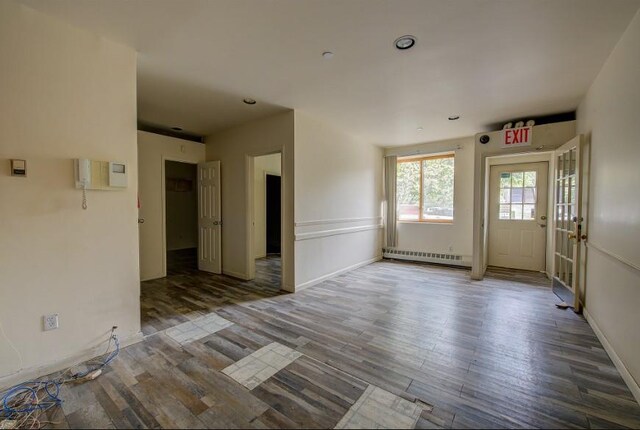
(567, 222)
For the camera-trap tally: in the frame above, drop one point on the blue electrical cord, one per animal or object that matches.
(104, 363)
(16, 400)
(31, 390)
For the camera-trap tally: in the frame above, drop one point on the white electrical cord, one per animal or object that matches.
(4, 335)
(84, 197)
(23, 405)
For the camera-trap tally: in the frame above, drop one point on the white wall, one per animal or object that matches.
(338, 194)
(453, 238)
(609, 117)
(235, 148)
(153, 149)
(268, 164)
(64, 94)
(182, 207)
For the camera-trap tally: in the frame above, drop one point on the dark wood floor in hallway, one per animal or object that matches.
(187, 293)
(425, 342)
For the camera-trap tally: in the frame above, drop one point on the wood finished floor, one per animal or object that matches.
(488, 354)
(187, 293)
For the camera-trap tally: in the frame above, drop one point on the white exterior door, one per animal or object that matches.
(209, 218)
(567, 222)
(518, 216)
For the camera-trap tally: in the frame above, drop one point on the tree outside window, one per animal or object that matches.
(425, 188)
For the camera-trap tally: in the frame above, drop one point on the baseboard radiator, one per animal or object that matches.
(427, 257)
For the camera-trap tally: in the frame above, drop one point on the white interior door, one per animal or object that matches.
(567, 222)
(518, 216)
(209, 218)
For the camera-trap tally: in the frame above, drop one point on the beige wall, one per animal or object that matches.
(182, 207)
(608, 116)
(453, 238)
(235, 149)
(153, 149)
(338, 195)
(268, 164)
(65, 94)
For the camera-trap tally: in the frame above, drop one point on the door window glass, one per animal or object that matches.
(518, 195)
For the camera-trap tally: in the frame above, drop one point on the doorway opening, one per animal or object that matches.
(181, 216)
(267, 219)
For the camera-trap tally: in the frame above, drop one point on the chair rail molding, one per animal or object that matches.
(336, 221)
(613, 256)
(336, 231)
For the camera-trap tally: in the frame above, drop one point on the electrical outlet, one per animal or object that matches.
(51, 322)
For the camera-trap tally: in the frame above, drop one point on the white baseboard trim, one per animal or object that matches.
(624, 372)
(233, 274)
(322, 278)
(63, 363)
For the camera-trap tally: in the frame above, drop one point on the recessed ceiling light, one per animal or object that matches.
(327, 54)
(405, 42)
(176, 128)
(454, 117)
(420, 129)
(249, 101)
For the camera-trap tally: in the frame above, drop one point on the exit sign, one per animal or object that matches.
(517, 137)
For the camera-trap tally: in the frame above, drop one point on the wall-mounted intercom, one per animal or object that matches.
(83, 173)
(83, 178)
(117, 174)
(99, 175)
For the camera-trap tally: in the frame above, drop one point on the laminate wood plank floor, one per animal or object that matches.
(186, 293)
(468, 354)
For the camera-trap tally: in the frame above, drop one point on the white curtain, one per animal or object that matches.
(390, 166)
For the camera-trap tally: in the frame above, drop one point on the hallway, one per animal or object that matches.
(187, 293)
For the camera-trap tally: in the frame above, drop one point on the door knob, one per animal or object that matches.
(543, 217)
(572, 235)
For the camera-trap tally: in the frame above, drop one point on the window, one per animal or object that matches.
(518, 196)
(425, 188)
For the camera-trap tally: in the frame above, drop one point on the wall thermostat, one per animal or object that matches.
(19, 168)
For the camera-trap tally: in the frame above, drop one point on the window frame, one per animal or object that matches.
(421, 158)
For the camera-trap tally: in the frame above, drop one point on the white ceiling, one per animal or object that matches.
(486, 60)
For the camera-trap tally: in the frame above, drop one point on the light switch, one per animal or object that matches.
(19, 168)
